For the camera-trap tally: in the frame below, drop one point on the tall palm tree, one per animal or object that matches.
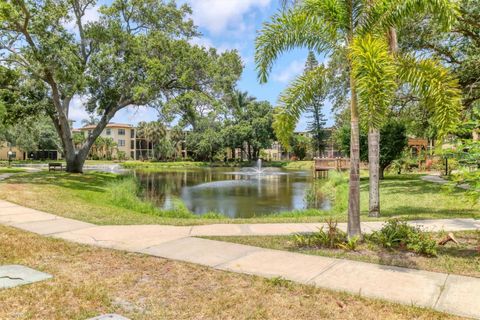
(443, 13)
(328, 27)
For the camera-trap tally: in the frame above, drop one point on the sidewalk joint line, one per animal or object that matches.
(330, 266)
(442, 289)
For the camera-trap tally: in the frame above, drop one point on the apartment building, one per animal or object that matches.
(125, 136)
(16, 154)
(122, 134)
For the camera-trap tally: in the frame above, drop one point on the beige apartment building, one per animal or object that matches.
(124, 135)
(17, 154)
(127, 140)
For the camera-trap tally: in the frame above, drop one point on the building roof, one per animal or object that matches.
(110, 125)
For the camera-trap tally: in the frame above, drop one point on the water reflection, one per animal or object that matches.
(225, 191)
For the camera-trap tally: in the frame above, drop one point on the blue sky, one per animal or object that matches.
(226, 25)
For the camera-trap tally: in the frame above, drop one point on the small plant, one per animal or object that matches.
(332, 238)
(279, 282)
(350, 245)
(398, 234)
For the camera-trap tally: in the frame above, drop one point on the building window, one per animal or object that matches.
(132, 144)
(109, 131)
(121, 132)
(121, 143)
(132, 154)
(132, 133)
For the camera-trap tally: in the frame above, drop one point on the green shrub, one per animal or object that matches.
(398, 234)
(332, 238)
(350, 245)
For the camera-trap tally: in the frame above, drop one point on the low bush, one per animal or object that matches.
(398, 234)
(333, 238)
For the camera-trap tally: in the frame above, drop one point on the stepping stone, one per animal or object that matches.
(17, 275)
(109, 317)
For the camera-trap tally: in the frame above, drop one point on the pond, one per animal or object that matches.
(233, 192)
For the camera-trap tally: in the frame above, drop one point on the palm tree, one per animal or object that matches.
(153, 132)
(110, 147)
(157, 133)
(328, 27)
(444, 13)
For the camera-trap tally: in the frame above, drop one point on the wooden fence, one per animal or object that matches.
(323, 165)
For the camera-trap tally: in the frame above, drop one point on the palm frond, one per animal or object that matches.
(295, 99)
(392, 13)
(290, 29)
(374, 71)
(437, 86)
(332, 12)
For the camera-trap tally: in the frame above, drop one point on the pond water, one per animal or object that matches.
(237, 193)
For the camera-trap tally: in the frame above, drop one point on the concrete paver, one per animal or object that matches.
(26, 217)
(17, 275)
(407, 286)
(6, 204)
(15, 210)
(200, 251)
(274, 263)
(125, 237)
(58, 225)
(461, 295)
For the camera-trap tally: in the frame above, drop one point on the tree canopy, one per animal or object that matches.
(136, 54)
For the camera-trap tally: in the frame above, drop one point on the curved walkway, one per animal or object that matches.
(448, 293)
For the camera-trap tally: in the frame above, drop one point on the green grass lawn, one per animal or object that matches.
(462, 259)
(103, 198)
(10, 170)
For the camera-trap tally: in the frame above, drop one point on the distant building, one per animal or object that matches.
(17, 154)
(128, 141)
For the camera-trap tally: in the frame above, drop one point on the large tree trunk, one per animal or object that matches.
(382, 173)
(374, 171)
(354, 229)
(75, 163)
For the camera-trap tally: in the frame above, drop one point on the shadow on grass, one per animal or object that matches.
(92, 181)
(406, 211)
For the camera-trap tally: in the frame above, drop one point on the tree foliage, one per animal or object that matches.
(136, 54)
(317, 121)
(393, 140)
(458, 48)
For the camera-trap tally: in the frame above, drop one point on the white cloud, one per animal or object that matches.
(133, 115)
(91, 15)
(292, 70)
(77, 110)
(202, 42)
(219, 15)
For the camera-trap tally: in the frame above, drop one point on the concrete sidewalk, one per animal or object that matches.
(448, 293)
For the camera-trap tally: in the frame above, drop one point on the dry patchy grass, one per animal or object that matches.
(89, 281)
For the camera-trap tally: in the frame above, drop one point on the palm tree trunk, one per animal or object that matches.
(374, 171)
(374, 149)
(353, 227)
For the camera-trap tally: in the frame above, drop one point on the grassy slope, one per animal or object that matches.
(88, 197)
(90, 281)
(10, 170)
(463, 259)
(290, 165)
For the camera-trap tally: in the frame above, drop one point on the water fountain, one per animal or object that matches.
(259, 170)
